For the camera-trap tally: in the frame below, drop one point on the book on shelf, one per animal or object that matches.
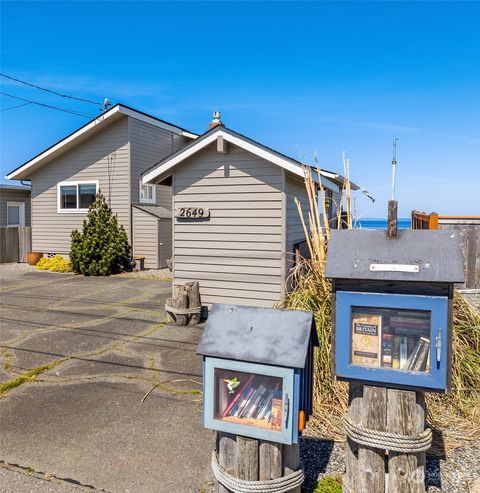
(396, 352)
(244, 400)
(366, 342)
(276, 410)
(403, 352)
(419, 357)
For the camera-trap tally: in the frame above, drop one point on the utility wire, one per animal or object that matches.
(16, 106)
(49, 90)
(65, 110)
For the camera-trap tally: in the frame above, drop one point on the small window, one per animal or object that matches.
(15, 213)
(76, 196)
(147, 193)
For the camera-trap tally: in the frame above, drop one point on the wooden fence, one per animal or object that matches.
(469, 226)
(15, 243)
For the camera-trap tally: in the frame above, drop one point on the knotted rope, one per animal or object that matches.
(280, 485)
(394, 442)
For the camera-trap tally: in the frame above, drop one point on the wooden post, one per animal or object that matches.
(291, 462)
(181, 301)
(365, 466)
(226, 447)
(246, 459)
(406, 415)
(193, 293)
(270, 460)
(392, 231)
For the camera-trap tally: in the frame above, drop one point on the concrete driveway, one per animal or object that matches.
(79, 355)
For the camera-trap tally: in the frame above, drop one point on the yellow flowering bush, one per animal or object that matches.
(54, 264)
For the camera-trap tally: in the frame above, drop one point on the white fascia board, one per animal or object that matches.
(100, 119)
(263, 153)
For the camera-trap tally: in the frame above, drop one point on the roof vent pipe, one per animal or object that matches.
(216, 120)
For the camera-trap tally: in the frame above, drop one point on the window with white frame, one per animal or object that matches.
(15, 213)
(147, 193)
(76, 196)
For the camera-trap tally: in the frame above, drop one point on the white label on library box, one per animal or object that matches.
(248, 399)
(391, 338)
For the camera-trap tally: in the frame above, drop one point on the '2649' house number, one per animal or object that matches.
(192, 212)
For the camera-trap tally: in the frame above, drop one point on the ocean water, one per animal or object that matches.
(403, 223)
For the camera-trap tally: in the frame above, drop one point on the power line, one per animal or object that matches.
(49, 90)
(65, 110)
(16, 106)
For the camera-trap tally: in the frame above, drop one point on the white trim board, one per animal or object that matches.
(270, 156)
(117, 110)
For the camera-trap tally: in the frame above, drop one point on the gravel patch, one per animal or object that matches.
(453, 474)
(164, 274)
(14, 266)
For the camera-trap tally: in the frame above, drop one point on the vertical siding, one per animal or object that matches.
(236, 255)
(149, 145)
(10, 195)
(145, 237)
(104, 157)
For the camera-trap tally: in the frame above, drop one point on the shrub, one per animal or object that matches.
(329, 484)
(54, 264)
(101, 248)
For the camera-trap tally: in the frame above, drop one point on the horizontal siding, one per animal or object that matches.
(103, 157)
(149, 145)
(145, 237)
(295, 231)
(235, 255)
(10, 195)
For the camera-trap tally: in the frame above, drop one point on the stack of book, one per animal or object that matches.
(257, 399)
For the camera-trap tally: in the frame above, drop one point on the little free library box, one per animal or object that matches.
(392, 300)
(258, 371)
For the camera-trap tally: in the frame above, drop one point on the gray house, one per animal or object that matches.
(14, 205)
(235, 219)
(108, 154)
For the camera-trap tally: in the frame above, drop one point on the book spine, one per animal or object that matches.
(255, 402)
(403, 353)
(396, 352)
(414, 357)
(421, 362)
(244, 401)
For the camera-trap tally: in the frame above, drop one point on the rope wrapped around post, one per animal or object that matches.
(183, 311)
(236, 485)
(394, 442)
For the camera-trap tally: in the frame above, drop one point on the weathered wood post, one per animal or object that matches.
(193, 293)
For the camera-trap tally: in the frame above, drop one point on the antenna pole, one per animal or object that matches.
(392, 231)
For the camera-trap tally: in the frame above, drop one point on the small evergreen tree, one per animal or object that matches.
(101, 248)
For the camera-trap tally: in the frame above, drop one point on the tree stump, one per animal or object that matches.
(226, 447)
(181, 301)
(291, 462)
(193, 293)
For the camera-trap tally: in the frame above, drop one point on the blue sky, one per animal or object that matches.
(299, 77)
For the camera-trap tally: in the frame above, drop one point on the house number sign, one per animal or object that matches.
(192, 212)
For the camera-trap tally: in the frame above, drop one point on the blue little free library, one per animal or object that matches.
(393, 306)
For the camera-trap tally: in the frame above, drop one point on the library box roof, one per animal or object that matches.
(258, 335)
(415, 255)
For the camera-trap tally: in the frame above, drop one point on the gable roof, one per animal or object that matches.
(415, 255)
(289, 164)
(258, 335)
(93, 126)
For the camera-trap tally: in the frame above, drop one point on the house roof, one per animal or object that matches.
(155, 210)
(8, 186)
(163, 168)
(416, 255)
(114, 113)
(258, 335)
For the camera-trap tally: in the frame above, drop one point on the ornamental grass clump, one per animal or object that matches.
(54, 264)
(102, 247)
(456, 415)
